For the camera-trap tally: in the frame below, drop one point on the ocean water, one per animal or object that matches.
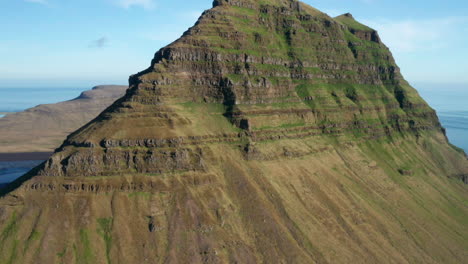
(10, 171)
(19, 99)
(450, 102)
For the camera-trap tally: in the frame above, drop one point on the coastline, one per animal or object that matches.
(3, 114)
(24, 156)
(14, 165)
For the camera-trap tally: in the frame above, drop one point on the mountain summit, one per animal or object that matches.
(268, 133)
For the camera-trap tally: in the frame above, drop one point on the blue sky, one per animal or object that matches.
(72, 43)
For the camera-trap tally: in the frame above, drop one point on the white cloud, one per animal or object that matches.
(146, 4)
(418, 35)
(42, 2)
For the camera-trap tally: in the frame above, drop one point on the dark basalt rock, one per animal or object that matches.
(461, 177)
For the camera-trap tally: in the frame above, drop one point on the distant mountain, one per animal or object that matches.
(44, 127)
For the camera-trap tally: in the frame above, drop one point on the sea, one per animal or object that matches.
(19, 99)
(451, 103)
(449, 100)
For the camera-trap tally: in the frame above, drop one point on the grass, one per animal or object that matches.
(86, 255)
(146, 195)
(10, 227)
(305, 91)
(276, 105)
(349, 165)
(236, 78)
(104, 230)
(459, 150)
(62, 253)
(207, 118)
(282, 126)
(244, 11)
(352, 23)
(34, 236)
(14, 252)
(7, 233)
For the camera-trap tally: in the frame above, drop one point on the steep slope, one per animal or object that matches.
(268, 133)
(44, 127)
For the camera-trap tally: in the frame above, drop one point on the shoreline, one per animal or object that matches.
(24, 156)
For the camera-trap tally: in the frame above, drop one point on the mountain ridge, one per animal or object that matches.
(99, 91)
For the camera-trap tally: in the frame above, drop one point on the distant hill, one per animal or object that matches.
(44, 127)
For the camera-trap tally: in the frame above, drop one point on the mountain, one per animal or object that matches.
(43, 128)
(268, 133)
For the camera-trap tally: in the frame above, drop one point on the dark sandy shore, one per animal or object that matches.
(23, 156)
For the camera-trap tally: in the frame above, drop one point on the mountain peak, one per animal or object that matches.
(358, 29)
(349, 20)
(254, 3)
(348, 15)
(240, 59)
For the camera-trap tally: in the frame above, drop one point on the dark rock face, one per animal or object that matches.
(268, 133)
(461, 177)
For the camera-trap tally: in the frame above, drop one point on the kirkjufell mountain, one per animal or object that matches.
(268, 133)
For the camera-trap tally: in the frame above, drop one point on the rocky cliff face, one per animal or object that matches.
(268, 133)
